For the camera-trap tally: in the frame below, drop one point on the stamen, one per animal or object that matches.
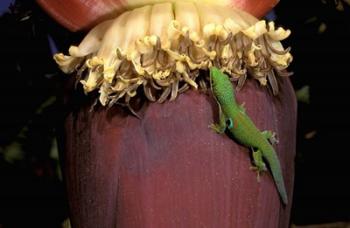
(174, 90)
(164, 95)
(127, 102)
(153, 84)
(203, 85)
(274, 50)
(273, 82)
(183, 88)
(148, 93)
(284, 73)
(241, 81)
(163, 83)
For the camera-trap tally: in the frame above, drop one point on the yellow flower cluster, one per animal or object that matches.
(163, 47)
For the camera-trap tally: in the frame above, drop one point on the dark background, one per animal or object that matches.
(31, 188)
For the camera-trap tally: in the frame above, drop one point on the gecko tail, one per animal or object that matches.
(278, 178)
(282, 192)
(276, 171)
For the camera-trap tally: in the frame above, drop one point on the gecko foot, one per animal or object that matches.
(271, 136)
(258, 172)
(259, 164)
(217, 128)
(259, 169)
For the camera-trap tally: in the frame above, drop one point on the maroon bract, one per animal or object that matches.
(168, 169)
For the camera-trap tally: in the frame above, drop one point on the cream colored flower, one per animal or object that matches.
(163, 47)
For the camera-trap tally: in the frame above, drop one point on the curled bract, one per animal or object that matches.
(162, 47)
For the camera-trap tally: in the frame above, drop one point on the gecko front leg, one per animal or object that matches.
(221, 126)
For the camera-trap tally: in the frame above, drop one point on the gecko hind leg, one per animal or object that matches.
(270, 136)
(259, 164)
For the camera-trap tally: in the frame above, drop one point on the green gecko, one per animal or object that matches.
(234, 118)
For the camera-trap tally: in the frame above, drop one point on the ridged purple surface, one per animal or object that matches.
(169, 169)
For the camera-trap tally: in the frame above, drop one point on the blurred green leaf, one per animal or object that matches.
(303, 94)
(13, 152)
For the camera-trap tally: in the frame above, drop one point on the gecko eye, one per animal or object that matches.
(229, 123)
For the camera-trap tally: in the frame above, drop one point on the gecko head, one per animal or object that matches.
(214, 75)
(220, 83)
